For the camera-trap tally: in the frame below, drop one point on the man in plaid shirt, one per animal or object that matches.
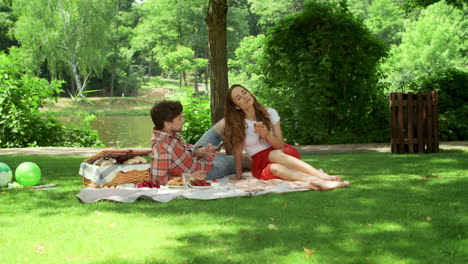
(171, 156)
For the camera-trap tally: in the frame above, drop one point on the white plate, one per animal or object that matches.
(176, 186)
(200, 187)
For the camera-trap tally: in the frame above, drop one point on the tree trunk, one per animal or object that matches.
(76, 76)
(195, 73)
(112, 84)
(216, 22)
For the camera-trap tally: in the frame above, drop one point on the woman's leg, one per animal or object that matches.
(278, 156)
(311, 182)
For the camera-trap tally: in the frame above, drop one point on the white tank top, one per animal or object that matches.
(253, 143)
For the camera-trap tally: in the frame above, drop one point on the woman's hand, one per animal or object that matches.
(261, 129)
(238, 178)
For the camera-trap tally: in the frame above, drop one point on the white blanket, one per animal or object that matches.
(228, 188)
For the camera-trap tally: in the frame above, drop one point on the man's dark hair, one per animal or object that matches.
(165, 111)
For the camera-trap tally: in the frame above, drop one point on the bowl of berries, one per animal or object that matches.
(148, 184)
(199, 184)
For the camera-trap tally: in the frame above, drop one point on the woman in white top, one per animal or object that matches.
(256, 129)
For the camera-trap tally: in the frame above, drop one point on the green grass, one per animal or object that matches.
(398, 209)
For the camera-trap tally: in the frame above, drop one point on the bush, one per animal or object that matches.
(322, 63)
(21, 125)
(452, 87)
(196, 112)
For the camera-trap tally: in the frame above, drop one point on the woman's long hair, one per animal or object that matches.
(234, 131)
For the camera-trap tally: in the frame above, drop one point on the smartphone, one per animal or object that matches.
(218, 148)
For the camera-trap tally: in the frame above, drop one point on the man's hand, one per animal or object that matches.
(208, 150)
(199, 174)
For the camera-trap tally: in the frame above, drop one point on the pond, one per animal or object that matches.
(124, 131)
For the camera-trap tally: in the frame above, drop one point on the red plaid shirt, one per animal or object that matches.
(171, 156)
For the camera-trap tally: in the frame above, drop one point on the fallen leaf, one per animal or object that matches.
(309, 251)
(272, 227)
(230, 218)
(39, 249)
(285, 205)
(429, 219)
(271, 218)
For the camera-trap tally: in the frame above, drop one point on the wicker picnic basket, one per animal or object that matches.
(133, 176)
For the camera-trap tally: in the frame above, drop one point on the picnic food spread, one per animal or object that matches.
(199, 182)
(176, 181)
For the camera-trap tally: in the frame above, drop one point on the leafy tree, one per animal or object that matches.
(359, 8)
(269, 12)
(119, 41)
(72, 36)
(246, 67)
(322, 63)
(413, 4)
(181, 61)
(7, 19)
(21, 125)
(433, 43)
(386, 21)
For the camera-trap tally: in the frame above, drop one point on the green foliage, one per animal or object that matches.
(180, 61)
(432, 44)
(196, 113)
(7, 19)
(246, 67)
(414, 4)
(269, 12)
(322, 63)
(21, 96)
(72, 36)
(386, 21)
(452, 87)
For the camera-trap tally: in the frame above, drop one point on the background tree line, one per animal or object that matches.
(333, 69)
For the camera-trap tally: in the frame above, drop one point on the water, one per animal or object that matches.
(124, 131)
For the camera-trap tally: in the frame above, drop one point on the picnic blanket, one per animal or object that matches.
(250, 186)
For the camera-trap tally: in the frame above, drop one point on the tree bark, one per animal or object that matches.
(216, 22)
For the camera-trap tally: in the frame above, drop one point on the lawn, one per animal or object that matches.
(398, 209)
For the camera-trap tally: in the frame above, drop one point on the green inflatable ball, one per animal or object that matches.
(28, 174)
(5, 174)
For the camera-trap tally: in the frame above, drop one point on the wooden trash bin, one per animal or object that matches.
(414, 122)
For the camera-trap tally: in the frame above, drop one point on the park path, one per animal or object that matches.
(304, 150)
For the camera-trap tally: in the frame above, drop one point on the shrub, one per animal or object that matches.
(21, 125)
(196, 112)
(452, 87)
(322, 63)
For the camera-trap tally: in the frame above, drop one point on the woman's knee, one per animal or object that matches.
(275, 169)
(275, 155)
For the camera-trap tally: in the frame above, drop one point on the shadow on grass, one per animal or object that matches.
(391, 212)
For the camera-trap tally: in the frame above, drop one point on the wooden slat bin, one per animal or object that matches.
(414, 122)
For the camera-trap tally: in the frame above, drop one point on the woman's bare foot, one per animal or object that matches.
(335, 178)
(308, 185)
(329, 185)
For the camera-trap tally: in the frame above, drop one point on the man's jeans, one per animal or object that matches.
(222, 164)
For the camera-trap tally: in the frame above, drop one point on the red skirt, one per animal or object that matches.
(261, 164)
